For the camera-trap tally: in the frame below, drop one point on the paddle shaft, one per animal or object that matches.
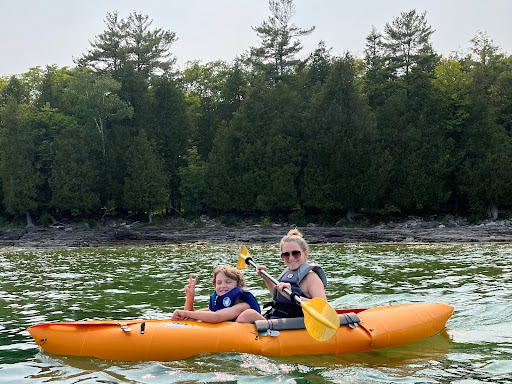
(292, 295)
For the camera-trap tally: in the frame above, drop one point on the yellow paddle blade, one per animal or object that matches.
(322, 321)
(244, 253)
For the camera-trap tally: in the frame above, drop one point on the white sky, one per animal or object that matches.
(40, 33)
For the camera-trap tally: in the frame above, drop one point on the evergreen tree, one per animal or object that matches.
(20, 178)
(47, 123)
(193, 183)
(410, 112)
(170, 129)
(484, 177)
(148, 49)
(451, 82)
(146, 184)
(279, 41)
(377, 73)
(52, 88)
(255, 162)
(73, 181)
(108, 51)
(318, 67)
(407, 41)
(346, 168)
(131, 41)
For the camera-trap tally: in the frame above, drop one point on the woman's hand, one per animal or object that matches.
(190, 288)
(282, 286)
(260, 268)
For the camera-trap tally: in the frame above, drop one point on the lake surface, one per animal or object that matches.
(123, 283)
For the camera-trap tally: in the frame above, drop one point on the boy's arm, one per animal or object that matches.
(225, 314)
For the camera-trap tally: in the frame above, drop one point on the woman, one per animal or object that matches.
(227, 302)
(304, 278)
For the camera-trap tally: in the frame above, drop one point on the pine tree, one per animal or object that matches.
(279, 41)
(108, 51)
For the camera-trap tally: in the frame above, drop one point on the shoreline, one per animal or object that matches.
(79, 236)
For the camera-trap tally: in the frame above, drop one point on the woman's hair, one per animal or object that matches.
(230, 272)
(294, 236)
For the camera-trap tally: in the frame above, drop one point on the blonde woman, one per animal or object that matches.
(303, 278)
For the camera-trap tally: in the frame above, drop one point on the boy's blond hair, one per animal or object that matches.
(230, 272)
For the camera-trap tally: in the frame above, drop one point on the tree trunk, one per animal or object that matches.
(492, 211)
(150, 216)
(30, 224)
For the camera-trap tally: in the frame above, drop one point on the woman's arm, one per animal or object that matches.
(312, 286)
(270, 285)
(225, 314)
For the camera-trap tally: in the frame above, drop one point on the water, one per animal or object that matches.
(124, 283)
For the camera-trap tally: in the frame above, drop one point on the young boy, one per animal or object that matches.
(227, 302)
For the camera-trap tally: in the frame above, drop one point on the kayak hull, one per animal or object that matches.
(166, 340)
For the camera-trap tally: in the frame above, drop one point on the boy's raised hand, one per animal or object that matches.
(190, 288)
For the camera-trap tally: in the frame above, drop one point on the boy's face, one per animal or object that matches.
(224, 284)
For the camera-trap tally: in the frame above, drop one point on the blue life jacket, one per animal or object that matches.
(281, 305)
(229, 299)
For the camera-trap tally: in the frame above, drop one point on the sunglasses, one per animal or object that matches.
(295, 254)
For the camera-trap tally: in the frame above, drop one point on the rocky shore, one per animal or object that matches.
(413, 230)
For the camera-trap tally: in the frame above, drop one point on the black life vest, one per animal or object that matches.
(229, 299)
(281, 305)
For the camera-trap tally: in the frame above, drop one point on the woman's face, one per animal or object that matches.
(292, 255)
(224, 284)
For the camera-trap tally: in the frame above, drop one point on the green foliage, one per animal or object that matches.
(130, 41)
(346, 166)
(297, 218)
(276, 54)
(170, 129)
(73, 180)
(193, 183)
(46, 219)
(146, 183)
(96, 103)
(388, 210)
(400, 130)
(20, 177)
(92, 223)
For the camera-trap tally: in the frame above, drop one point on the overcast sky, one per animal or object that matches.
(40, 33)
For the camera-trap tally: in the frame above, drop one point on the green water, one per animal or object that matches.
(123, 283)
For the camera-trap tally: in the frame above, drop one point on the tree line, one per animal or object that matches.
(402, 129)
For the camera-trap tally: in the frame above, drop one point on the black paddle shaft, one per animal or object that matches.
(292, 295)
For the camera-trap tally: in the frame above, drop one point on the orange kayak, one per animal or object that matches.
(166, 340)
